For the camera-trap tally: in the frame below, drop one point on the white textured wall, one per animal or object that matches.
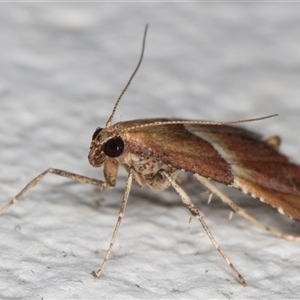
(62, 65)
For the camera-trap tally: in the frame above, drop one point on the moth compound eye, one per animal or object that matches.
(97, 131)
(114, 147)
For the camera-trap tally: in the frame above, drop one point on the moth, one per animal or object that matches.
(154, 151)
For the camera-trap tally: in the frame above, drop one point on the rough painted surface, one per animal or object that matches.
(62, 67)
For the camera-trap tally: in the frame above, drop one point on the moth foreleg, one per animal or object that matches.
(196, 212)
(36, 180)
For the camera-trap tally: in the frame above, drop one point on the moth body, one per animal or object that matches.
(227, 154)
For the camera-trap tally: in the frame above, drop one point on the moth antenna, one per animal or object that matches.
(109, 121)
(172, 122)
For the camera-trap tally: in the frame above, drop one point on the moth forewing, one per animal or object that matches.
(263, 172)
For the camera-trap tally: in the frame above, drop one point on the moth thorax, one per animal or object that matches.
(147, 171)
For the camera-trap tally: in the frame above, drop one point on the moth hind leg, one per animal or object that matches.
(274, 142)
(238, 210)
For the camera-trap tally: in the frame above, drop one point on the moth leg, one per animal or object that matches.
(212, 188)
(196, 212)
(274, 142)
(120, 217)
(36, 180)
(210, 197)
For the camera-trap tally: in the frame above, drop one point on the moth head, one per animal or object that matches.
(105, 143)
